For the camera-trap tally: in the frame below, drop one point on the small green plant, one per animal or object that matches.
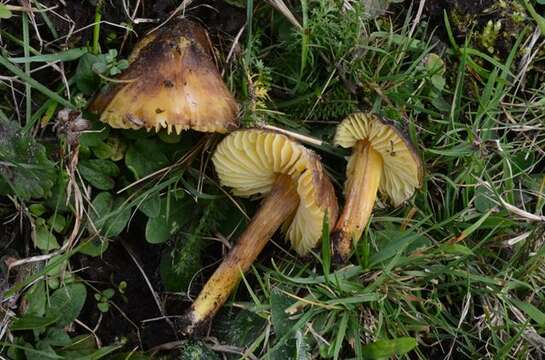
(103, 299)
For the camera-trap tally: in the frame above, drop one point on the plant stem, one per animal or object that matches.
(361, 193)
(276, 208)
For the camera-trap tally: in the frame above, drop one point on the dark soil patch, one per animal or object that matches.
(136, 305)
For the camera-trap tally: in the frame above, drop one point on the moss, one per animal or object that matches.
(490, 26)
(490, 35)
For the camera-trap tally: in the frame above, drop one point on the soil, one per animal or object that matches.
(136, 305)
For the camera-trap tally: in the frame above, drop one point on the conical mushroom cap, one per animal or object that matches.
(402, 168)
(172, 83)
(249, 162)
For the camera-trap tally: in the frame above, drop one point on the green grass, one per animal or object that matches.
(456, 272)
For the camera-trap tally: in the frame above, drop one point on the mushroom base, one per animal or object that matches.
(363, 178)
(276, 208)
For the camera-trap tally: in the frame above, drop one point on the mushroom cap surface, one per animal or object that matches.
(249, 161)
(171, 82)
(402, 168)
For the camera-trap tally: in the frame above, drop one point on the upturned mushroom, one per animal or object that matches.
(297, 192)
(171, 82)
(382, 159)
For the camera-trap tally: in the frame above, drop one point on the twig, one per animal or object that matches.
(515, 210)
(417, 18)
(281, 6)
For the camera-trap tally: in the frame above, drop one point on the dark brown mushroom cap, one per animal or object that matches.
(171, 82)
(402, 168)
(249, 162)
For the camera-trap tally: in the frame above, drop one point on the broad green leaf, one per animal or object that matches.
(57, 337)
(174, 214)
(151, 206)
(532, 311)
(94, 247)
(110, 215)
(96, 135)
(44, 239)
(35, 299)
(87, 81)
(57, 222)
(42, 346)
(66, 303)
(37, 209)
(31, 322)
(99, 173)
(386, 349)
(25, 170)
(57, 201)
(5, 13)
(144, 157)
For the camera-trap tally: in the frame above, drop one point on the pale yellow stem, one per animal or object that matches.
(360, 195)
(276, 208)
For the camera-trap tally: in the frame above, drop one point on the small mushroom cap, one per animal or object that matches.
(249, 162)
(402, 168)
(171, 82)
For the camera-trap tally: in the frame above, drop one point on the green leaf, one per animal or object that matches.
(174, 214)
(57, 222)
(456, 249)
(533, 312)
(279, 318)
(35, 299)
(100, 353)
(282, 325)
(66, 303)
(57, 201)
(31, 322)
(41, 346)
(99, 173)
(25, 170)
(152, 205)
(57, 337)
(44, 239)
(37, 209)
(95, 135)
(144, 157)
(103, 307)
(87, 81)
(108, 293)
(110, 215)
(67, 55)
(483, 202)
(394, 242)
(113, 148)
(386, 349)
(5, 13)
(94, 247)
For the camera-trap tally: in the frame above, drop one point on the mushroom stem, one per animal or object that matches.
(276, 208)
(361, 193)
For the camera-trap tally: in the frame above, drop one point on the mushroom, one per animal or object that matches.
(298, 194)
(171, 82)
(382, 159)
